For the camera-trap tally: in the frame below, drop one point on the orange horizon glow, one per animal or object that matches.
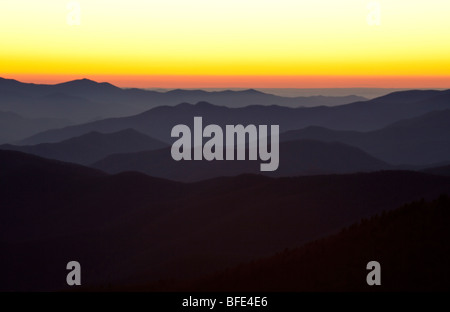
(228, 44)
(196, 81)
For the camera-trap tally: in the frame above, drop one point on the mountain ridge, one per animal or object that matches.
(306, 157)
(106, 100)
(92, 146)
(131, 225)
(420, 140)
(157, 122)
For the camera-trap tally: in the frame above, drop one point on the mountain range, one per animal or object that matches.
(85, 100)
(131, 228)
(413, 142)
(91, 147)
(416, 141)
(332, 263)
(87, 175)
(360, 116)
(304, 157)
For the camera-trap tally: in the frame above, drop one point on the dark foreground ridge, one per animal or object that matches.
(410, 243)
(131, 229)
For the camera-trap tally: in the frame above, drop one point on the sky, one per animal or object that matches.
(228, 43)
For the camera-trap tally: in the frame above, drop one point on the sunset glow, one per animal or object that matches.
(251, 43)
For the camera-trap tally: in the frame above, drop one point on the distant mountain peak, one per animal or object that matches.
(6, 79)
(253, 91)
(80, 81)
(7, 82)
(85, 82)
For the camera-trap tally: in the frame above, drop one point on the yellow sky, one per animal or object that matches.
(225, 37)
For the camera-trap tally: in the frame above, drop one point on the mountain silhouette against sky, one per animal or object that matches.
(85, 100)
(359, 116)
(136, 216)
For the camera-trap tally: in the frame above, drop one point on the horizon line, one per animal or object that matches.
(243, 81)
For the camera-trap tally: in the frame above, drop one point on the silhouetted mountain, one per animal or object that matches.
(416, 141)
(91, 147)
(235, 99)
(44, 101)
(362, 116)
(296, 158)
(134, 228)
(105, 92)
(85, 100)
(87, 88)
(410, 243)
(14, 127)
(409, 96)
